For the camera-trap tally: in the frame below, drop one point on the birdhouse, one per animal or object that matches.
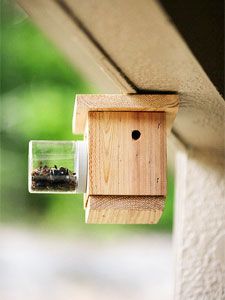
(120, 166)
(126, 139)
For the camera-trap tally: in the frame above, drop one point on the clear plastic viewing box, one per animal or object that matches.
(54, 166)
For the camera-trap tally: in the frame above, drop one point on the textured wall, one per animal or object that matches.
(200, 226)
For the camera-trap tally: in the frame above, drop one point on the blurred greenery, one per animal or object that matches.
(38, 87)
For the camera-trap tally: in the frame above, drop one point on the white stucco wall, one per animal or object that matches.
(200, 226)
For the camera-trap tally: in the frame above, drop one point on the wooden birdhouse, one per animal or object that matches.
(126, 139)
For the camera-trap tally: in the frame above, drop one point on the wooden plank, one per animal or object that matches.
(117, 102)
(68, 37)
(124, 209)
(144, 53)
(120, 165)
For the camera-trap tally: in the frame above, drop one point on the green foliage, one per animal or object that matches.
(38, 87)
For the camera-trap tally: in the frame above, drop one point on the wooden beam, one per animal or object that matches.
(68, 37)
(137, 45)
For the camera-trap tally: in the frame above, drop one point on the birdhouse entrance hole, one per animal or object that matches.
(136, 134)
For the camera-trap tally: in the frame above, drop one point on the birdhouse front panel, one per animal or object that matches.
(127, 153)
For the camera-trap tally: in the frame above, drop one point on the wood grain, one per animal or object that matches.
(124, 209)
(117, 102)
(120, 165)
